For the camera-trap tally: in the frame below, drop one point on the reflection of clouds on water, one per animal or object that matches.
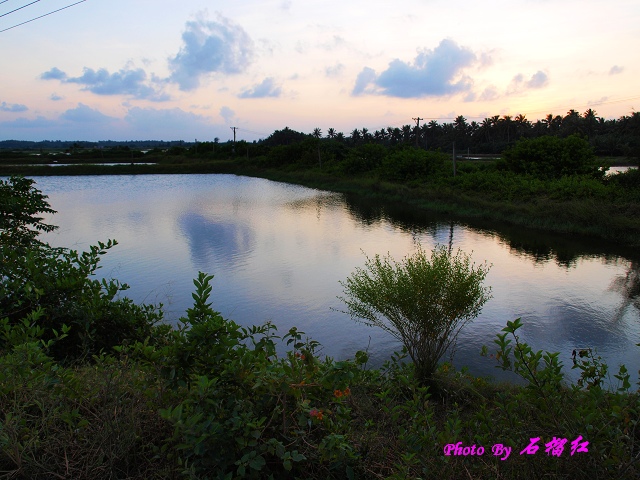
(224, 244)
(577, 324)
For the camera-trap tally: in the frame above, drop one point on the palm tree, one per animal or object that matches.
(506, 126)
(317, 133)
(395, 135)
(522, 125)
(424, 130)
(571, 123)
(591, 119)
(355, 136)
(406, 133)
(485, 128)
(331, 133)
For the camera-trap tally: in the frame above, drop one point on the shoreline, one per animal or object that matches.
(585, 217)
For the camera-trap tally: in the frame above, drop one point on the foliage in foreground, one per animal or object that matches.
(211, 399)
(231, 408)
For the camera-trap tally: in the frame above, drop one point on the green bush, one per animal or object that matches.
(422, 301)
(20, 207)
(411, 163)
(60, 284)
(363, 158)
(553, 157)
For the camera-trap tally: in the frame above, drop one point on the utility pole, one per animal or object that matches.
(234, 138)
(454, 159)
(417, 128)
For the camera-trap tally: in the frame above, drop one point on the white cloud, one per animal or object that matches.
(83, 114)
(538, 80)
(432, 73)
(54, 74)
(334, 70)
(489, 94)
(210, 47)
(364, 79)
(267, 88)
(615, 70)
(12, 107)
(519, 84)
(227, 114)
(127, 81)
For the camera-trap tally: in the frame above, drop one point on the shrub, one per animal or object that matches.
(553, 157)
(58, 282)
(363, 158)
(20, 205)
(422, 301)
(410, 163)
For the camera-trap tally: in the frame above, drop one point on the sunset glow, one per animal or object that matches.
(169, 70)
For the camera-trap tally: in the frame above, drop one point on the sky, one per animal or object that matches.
(192, 69)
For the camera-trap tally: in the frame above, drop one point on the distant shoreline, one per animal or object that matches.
(590, 217)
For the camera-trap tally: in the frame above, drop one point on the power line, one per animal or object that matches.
(46, 14)
(24, 6)
(252, 132)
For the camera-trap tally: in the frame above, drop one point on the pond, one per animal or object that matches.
(278, 252)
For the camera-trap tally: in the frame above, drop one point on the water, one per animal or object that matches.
(279, 251)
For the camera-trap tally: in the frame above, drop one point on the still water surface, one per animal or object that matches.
(278, 252)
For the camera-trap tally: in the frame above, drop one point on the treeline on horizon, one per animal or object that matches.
(608, 137)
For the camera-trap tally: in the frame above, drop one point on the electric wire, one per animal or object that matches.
(252, 132)
(41, 16)
(20, 8)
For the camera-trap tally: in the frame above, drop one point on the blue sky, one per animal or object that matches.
(191, 69)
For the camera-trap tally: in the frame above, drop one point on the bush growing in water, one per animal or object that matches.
(423, 302)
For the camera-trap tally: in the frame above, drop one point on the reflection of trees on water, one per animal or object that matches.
(370, 212)
(540, 247)
(227, 242)
(317, 202)
(628, 285)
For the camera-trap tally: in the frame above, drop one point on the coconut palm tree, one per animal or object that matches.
(591, 121)
(355, 136)
(317, 133)
(522, 125)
